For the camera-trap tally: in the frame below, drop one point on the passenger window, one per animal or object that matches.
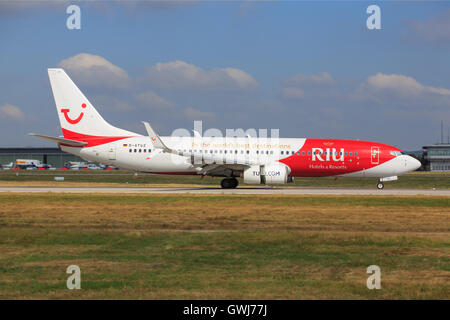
(298, 153)
(135, 150)
(303, 152)
(356, 153)
(351, 153)
(309, 153)
(131, 150)
(248, 151)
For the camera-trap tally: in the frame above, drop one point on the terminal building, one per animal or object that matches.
(437, 157)
(52, 156)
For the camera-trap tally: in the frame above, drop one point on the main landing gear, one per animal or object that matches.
(229, 183)
(380, 185)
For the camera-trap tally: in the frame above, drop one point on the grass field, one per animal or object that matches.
(419, 180)
(220, 247)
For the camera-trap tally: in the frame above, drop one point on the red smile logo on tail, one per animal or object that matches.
(66, 111)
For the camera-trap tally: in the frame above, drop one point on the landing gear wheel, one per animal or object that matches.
(380, 185)
(229, 183)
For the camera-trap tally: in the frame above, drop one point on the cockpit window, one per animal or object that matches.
(395, 153)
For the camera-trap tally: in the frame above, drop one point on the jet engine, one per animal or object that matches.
(276, 173)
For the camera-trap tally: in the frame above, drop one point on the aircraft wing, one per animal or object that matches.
(67, 142)
(211, 164)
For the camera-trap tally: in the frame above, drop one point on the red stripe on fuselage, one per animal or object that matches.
(304, 164)
(92, 141)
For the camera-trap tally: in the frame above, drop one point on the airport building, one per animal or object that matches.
(52, 156)
(437, 157)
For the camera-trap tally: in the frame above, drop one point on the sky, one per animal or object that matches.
(308, 68)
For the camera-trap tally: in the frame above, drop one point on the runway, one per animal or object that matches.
(241, 191)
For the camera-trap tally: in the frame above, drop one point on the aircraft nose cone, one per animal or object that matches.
(413, 164)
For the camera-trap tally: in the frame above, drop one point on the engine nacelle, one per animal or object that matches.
(253, 175)
(276, 173)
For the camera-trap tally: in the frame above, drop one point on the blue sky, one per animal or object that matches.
(311, 69)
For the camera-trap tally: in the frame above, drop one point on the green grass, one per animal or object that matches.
(421, 180)
(223, 247)
(281, 201)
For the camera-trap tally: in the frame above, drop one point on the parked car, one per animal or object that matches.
(93, 166)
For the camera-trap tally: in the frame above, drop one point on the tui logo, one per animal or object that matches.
(73, 121)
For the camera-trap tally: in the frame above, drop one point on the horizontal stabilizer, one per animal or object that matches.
(66, 142)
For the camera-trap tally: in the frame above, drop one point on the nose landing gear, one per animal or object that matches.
(229, 183)
(380, 185)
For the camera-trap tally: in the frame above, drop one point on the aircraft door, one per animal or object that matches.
(111, 152)
(375, 155)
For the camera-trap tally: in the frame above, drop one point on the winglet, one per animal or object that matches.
(157, 142)
(197, 134)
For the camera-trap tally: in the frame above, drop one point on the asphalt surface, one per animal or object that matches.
(244, 190)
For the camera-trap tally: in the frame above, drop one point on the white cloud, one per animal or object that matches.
(402, 85)
(292, 93)
(434, 29)
(323, 78)
(194, 114)
(154, 101)
(94, 70)
(10, 112)
(181, 75)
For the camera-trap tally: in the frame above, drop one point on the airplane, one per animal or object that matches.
(8, 166)
(257, 160)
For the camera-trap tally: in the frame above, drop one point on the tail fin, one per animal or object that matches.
(77, 115)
